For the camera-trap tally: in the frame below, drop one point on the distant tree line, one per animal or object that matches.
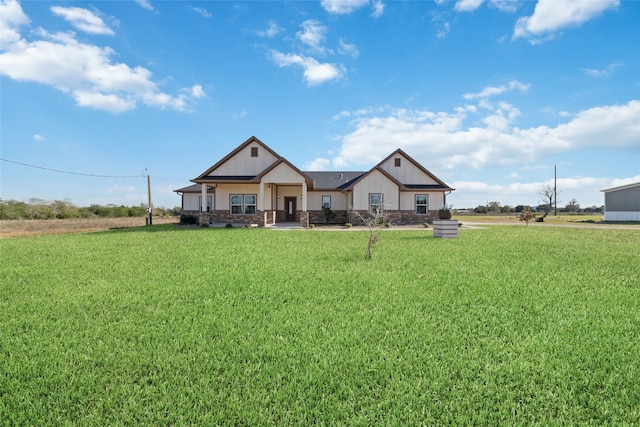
(572, 207)
(64, 209)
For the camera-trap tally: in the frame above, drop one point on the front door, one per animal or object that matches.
(289, 209)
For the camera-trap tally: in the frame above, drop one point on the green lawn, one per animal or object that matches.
(168, 326)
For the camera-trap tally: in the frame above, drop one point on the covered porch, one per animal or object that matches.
(271, 200)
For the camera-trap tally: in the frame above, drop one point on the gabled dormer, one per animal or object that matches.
(249, 160)
(404, 169)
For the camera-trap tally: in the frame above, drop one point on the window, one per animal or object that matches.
(254, 151)
(243, 204)
(236, 204)
(375, 202)
(397, 162)
(422, 204)
(209, 205)
(249, 204)
(326, 202)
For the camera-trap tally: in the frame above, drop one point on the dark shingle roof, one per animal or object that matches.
(228, 178)
(425, 186)
(334, 180)
(194, 188)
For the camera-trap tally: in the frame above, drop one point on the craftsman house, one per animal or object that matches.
(255, 185)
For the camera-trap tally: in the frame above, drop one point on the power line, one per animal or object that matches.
(73, 173)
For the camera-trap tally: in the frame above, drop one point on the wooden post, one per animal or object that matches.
(149, 209)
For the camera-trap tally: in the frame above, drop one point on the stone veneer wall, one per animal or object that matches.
(312, 217)
(398, 217)
(304, 219)
(225, 217)
(317, 217)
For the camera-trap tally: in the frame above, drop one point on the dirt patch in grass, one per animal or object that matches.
(19, 228)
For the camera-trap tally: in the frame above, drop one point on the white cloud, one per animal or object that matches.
(497, 90)
(202, 11)
(241, 115)
(446, 139)
(11, 19)
(197, 92)
(467, 5)
(444, 30)
(83, 20)
(145, 4)
(505, 5)
(312, 34)
(613, 126)
(314, 72)
(378, 9)
(551, 16)
(342, 7)
(85, 72)
(317, 164)
(101, 101)
(622, 181)
(607, 71)
(348, 49)
(272, 30)
(38, 137)
(585, 189)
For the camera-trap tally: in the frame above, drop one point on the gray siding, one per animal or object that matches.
(623, 200)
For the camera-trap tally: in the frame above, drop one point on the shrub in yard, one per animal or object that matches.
(527, 214)
(328, 215)
(188, 219)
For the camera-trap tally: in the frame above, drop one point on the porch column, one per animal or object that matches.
(203, 189)
(204, 217)
(261, 197)
(304, 196)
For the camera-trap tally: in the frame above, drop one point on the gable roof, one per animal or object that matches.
(282, 160)
(337, 180)
(241, 147)
(193, 188)
(334, 180)
(206, 175)
(383, 172)
(440, 185)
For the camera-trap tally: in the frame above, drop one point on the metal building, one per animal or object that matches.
(622, 203)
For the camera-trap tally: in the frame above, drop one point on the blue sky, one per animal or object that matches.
(488, 95)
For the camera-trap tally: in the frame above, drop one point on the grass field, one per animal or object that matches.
(168, 326)
(39, 227)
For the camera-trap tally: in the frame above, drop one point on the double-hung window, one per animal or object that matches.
(422, 204)
(326, 202)
(249, 204)
(243, 204)
(375, 202)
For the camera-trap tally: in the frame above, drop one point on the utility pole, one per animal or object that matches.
(149, 209)
(555, 191)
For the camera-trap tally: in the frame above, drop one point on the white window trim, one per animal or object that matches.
(244, 204)
(377, 205)
(426, 205)
(323, 206)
